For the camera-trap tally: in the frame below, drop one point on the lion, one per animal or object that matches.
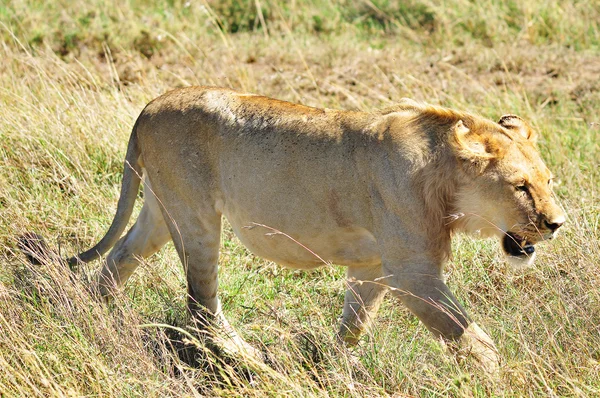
(381, 193)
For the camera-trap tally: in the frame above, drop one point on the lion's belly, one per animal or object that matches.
(349, 246)
(311, 204)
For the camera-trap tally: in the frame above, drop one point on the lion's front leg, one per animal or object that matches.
(427, 296)
(477, 344)
(363, 298)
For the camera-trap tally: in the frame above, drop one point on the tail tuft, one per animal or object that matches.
(37, 251)
(34, 247)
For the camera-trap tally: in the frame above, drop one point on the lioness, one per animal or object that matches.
(378, 192)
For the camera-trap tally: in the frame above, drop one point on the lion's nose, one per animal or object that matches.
(554, 224)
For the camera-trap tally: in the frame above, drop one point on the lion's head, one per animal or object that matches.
(506, 189)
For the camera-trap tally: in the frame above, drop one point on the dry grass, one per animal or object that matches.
(73, 78)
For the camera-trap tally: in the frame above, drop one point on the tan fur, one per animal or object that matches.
(380, 193)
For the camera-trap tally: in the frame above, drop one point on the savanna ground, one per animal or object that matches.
(74, 76)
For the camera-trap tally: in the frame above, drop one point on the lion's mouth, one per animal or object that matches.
(515, 245)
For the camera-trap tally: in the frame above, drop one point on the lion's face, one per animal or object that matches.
(509, 194)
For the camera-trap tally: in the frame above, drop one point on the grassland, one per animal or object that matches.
(74, 76)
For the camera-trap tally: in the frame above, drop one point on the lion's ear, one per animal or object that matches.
(470, 146)
(518, 125)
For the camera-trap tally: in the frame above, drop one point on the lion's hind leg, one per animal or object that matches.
(197, 240)
(148, 235)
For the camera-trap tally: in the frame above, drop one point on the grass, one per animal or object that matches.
(74, 77)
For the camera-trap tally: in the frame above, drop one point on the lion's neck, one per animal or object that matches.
(438, 185)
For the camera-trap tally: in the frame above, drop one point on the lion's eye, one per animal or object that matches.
(522, 188)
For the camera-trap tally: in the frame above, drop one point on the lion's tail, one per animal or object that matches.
(132, 174)
(36, 249)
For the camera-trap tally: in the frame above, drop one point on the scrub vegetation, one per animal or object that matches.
(75, 75)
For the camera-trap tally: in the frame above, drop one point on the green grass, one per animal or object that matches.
(75, 75)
